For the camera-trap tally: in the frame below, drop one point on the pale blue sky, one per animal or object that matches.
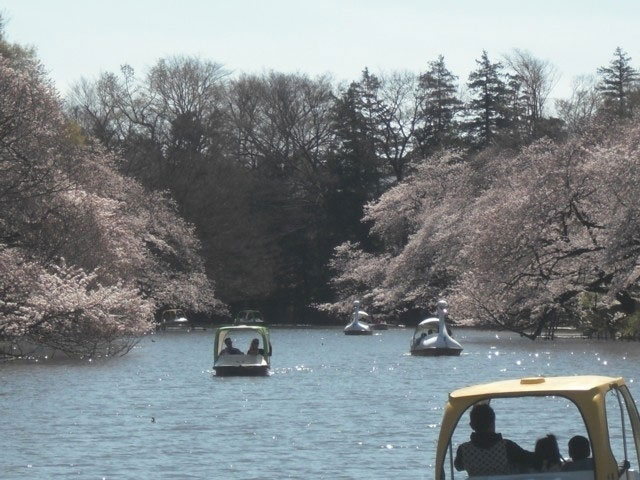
(81, 38)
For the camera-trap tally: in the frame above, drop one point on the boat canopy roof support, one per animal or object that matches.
(539, 386)
(587, 392)
(224, 332)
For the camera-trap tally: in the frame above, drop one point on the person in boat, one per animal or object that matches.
(230, 349)
(487, 453)
(547, 456)
(579, 451)
(421, 337)
(253, 347)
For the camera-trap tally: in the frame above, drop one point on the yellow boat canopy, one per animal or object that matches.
(587, 392)
(565, 386)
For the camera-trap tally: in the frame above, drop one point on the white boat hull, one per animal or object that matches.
(358, 332)
(436, 352)
(242, 365)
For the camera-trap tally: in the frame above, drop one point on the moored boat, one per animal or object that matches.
(172, 318)
(228, 360)
(380, 325)
(249, 317)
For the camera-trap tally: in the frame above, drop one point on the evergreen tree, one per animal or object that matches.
(439, 106)
(367, 102)
(617, 84)
(488, 105)
(354, 165)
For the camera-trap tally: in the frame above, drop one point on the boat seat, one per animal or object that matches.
(577, 475)
(227, 360)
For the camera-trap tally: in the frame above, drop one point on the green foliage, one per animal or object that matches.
(487, 107)
(86, 253)
(439, 105)
(618, 85)
(276, 170)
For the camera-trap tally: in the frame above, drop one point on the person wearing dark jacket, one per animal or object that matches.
(230, 349)
(487, 453)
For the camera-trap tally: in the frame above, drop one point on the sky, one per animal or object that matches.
(78, 39)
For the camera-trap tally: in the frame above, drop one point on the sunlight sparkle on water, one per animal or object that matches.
(519, 362)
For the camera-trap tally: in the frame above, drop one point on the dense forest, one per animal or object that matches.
(194, 187)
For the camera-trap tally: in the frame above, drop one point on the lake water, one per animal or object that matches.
(335, 406)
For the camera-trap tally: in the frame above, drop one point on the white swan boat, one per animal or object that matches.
(358, 324)
(432, 337)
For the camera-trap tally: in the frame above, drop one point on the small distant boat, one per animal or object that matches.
(173, 317)
(433, 338)
(249, 317)
(245, 364)
(358, 324)
(380, 325)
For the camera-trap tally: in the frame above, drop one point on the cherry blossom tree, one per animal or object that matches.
(86, 255)
(513, 241)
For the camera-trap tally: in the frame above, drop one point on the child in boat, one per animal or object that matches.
(579, 451)
(547, 456)
(253, 348)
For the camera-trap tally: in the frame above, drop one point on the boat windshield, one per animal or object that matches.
(428, 328)
(241, 339)
(618, 402)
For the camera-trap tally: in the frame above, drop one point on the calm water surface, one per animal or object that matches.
(335, 406)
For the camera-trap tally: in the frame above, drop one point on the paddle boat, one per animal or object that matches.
(227, 364)
(432, 336)
(358, 324)
(380, 325)
(606, 413)
(173, 317)
(249, 317)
